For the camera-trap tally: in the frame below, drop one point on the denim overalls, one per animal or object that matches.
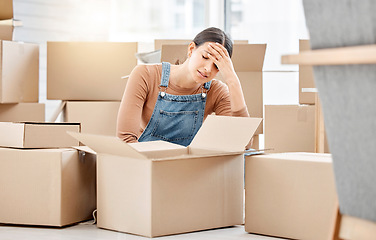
(176, 118)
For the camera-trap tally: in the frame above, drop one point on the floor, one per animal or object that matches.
(88, 231)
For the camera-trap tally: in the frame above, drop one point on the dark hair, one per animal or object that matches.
(213, 34)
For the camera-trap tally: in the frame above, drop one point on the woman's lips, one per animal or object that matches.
(203, 75)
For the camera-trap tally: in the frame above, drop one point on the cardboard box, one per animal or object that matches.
(248, 60)
(7, 28)
(37, 135)
(49, 187)
(256, 142)
(6, 9)
(22, 112)
(290, 128)
(19, 80)
(158, 43)
(95, 117)
(306, 80)
(290, 195)
(89, 70)
(159, 188)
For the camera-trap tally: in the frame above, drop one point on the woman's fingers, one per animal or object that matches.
(215, 51)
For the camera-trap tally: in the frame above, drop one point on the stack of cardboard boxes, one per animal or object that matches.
(43, 180)
(291, 128)
(19, 75)
(87, 77)
(291, 193)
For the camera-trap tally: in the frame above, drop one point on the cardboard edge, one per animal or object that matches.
(107, 145)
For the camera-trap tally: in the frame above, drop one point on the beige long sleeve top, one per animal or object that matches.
(141, 94)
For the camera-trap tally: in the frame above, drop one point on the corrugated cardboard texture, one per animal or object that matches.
(50, 187)
(95, 117)
(290, 128)
(306, 77)
(6, 9)
(290, 195)
(20, 72)
(22, 112)
(347, 94)
(88, 70)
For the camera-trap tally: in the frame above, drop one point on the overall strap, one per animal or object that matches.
(165, 74)
(207, 85)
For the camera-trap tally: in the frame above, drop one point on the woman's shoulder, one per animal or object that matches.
(218, 84)
(148, 69)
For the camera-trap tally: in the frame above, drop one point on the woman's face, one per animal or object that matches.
(201, 67)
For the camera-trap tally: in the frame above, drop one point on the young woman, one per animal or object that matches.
(170, 102)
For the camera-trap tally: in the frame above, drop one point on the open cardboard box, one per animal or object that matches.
(159, 188)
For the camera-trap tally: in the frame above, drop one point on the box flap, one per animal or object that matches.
(226, 133)
(107, 144)
(85, 149)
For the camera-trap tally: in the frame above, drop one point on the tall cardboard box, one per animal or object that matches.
(89, 70)
(248, 60)
(37, 134)
(306, 80)
(159, 188)
(48, 187)
(96, 117)
(290, 195)
(290, 128)
(6, 9)
(22, 112)
(19, 80)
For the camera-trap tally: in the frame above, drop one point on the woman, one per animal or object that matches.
(170, 102)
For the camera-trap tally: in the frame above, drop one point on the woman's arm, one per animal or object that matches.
(131, 106)
(222, 60)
